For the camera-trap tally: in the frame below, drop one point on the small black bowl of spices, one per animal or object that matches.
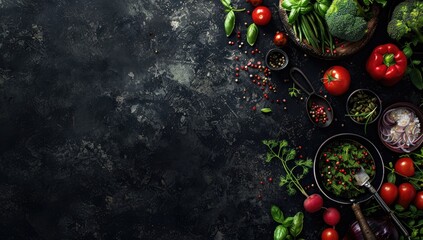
(363, 106)
(276, 59)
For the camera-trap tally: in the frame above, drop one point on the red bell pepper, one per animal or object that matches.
(387, 64)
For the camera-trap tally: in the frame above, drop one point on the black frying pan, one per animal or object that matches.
(376, 181)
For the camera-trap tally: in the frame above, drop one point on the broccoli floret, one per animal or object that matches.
(345, 20)
(397, 29)
(407, 21)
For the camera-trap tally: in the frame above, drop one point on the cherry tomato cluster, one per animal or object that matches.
(405, 193)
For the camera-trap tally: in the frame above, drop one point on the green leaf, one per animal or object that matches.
(289, 4)
(226, 3)
(252, 34)
(280, 233)
(288, 221)
(391, 177)
(413, 209)
(297, 224)
(266, 110)
(382, 2)
(399, 208)
(277, 214)
(283, 181)
(229, 23)
(416, 78)
(416, 62)
(269, 156)
(291, 155)
(283, 143)
(293, 15)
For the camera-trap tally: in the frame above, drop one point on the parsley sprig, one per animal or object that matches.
(295, 169)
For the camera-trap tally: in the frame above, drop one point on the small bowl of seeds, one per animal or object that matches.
(363, 106)
(276, 59)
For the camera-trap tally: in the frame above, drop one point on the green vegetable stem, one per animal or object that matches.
(295, 170)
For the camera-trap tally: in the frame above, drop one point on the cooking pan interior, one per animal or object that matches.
(376, 181)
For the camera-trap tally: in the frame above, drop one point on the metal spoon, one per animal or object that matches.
(313, 99)
(362, 179)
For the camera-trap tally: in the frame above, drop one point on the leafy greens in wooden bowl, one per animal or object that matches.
(329, 29)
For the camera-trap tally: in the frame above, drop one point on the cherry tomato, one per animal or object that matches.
(406, 193)
(256, 3)
(336, 80)
(388, 192)
(280, 39)
(330, 234)
(418, 201)
(405, 166)
(261, 15)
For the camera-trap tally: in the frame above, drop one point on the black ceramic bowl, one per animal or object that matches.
(276, 59)
(357, 96)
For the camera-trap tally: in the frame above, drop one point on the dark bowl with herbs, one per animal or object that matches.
(336, 162)
(364, 106)
(399, 127)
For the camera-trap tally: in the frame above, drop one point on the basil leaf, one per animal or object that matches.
(293, 15)
(289, 4)
(280, 233)
(297, 224)
(229, 23)
(252, 34)
(226, 3)
(265, 110)
(416, 78)
(391, 177)
(288, 221)
(277, 214)
(416, 62)
(304, 3)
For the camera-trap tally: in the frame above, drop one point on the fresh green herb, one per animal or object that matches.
(290, 227)
(412, 217)
(252, 33)
(412, 69)
(295, 170)
(266, 110)
(293, 92)
(229, 23)
(339, 162)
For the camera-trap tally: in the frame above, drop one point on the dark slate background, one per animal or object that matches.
(122, 120)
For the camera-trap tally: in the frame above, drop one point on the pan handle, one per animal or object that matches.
(291, 73)
(364, 226)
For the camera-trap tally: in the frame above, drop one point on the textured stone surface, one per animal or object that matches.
(122, 120)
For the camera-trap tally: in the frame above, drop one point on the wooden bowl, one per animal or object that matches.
(343, 49)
